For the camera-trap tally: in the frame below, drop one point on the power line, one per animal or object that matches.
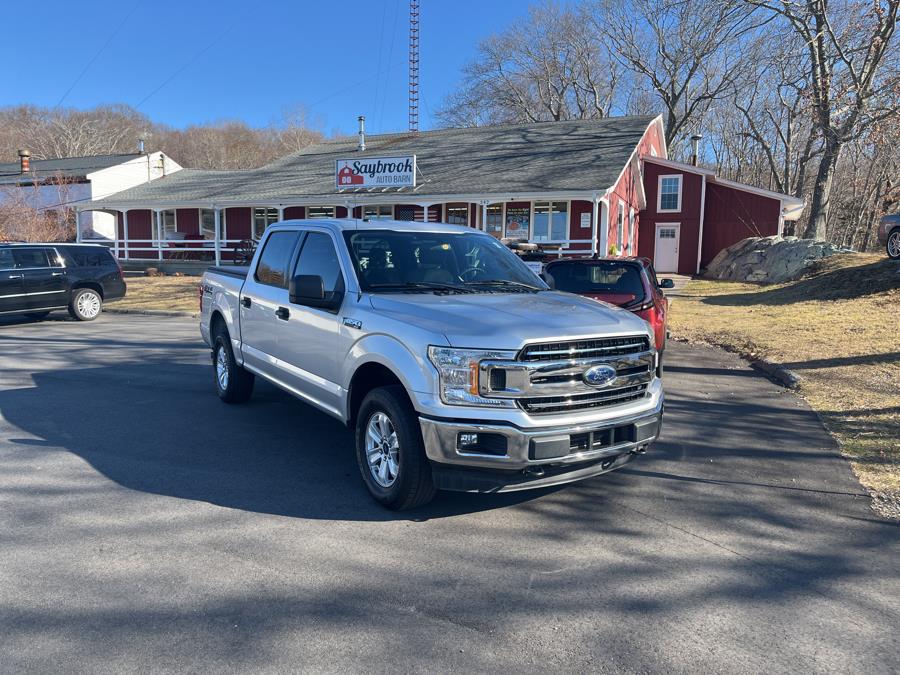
(97, 54)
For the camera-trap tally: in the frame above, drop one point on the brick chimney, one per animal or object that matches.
(24, 161)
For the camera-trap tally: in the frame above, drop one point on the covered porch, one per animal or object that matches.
(227, 232)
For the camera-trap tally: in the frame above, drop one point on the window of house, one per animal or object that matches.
(208, 223)
(169, 222)
(320, 212)
(493, 217)
(458, 215)
(378, 212)
(273, 262)
(262, 218)
(551, 221)
(620, 227)
(669, 193)
(319, 257)
(632, 249)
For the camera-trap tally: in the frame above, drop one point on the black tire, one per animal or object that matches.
(893, 244)
(238, 382)
(86, 304)
(413, 485)
(37, 316)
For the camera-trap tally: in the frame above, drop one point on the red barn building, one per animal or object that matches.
(577, 186)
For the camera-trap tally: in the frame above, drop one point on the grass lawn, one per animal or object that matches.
(172, 294)
(837, 328)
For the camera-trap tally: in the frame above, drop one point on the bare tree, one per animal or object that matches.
(38, 210)
(847, 46)
(687, 51)
(549, 66)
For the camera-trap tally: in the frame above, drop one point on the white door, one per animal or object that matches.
(665, 257)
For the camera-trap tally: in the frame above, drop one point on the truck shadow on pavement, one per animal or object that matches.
(159, 428)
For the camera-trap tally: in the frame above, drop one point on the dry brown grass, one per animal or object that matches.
(837, 329)
(170, 293)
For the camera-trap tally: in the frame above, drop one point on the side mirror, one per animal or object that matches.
(309, 290)
(666, 283)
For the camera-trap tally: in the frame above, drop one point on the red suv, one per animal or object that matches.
(629, 283)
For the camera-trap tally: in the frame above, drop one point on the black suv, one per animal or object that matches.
(38, 278)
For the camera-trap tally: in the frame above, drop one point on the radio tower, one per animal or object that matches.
(414, 65)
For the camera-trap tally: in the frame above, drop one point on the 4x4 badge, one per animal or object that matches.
(352, 323)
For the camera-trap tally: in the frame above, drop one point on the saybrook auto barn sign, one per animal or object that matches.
(374, 172)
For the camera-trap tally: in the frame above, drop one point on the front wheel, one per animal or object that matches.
(234, 384)
(390, 452)
(893, 245)
(86, 304)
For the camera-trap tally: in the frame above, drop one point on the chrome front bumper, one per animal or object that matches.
(518, 459)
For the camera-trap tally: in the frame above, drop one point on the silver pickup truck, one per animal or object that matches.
(455, 364)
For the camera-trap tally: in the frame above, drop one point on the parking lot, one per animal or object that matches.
(145, 525)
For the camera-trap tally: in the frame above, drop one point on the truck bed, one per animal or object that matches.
(237, 271)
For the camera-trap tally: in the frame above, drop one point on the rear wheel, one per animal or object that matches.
(390, 452)
(86, 304)
(37, 316)
(234, 384)
(893, 244)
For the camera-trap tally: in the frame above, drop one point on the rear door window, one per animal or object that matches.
(30, 258)
(274, 259)
(7, 262)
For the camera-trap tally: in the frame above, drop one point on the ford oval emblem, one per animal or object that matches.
(599, 376)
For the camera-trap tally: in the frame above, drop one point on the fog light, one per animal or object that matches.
(466, 441)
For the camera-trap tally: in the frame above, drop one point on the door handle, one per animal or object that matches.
(282, 313)
(16, 276)
(246, 301)
(58, 274)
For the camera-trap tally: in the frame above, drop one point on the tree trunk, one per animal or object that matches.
(818, 212)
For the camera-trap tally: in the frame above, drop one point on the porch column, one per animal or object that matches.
(603, 225)
(125, 231)
(217, 235)
(595, 208)
(425, 214)
(157, 231)
(280, 213)
(484, 216)
(116, 237)
(78, 225)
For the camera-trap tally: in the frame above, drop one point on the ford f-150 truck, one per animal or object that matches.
(457, 366)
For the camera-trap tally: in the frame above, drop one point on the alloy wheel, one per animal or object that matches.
(88, 305)
(893, 245)
(382, 449)
(222, 368)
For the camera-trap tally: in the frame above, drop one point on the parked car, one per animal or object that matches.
(456, 365)
(629, 283)
(36, 279)
(889, 235)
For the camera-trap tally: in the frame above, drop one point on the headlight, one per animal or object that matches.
(458, 371)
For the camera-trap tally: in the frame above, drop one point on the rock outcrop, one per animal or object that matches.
(768, 260)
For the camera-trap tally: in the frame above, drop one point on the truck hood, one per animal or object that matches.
(508, 320)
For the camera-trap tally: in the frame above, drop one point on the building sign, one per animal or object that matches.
(517, 221)
(374, 172)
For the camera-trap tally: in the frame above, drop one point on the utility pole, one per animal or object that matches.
(414, 65)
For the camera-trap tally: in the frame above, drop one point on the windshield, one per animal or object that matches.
(618, 282)
(387, 260)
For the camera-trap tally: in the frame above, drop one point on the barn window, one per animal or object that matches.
(551, 221)
(170, 224)
(262, 218)
(458, 215)
(669, 198)
(208, 223)
(317, 212)
(494, 220)
(379, 212)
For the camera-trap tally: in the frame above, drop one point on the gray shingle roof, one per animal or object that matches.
(574, 156)
(70, 167)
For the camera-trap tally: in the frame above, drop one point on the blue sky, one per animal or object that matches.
(249, 60)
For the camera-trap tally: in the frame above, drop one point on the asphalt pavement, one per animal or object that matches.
(145, 526)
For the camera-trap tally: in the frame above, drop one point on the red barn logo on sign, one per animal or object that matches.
(347, 177)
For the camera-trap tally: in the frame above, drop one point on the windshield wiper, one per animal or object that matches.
(421, 285)
(504, 282)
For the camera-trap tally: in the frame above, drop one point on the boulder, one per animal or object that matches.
(768, 260)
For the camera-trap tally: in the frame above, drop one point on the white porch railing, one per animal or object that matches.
(170, 249)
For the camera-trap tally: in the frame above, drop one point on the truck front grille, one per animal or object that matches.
(585, 349)
(601, 399)
(554, 382)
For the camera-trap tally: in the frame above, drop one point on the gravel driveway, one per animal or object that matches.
(146, 526)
